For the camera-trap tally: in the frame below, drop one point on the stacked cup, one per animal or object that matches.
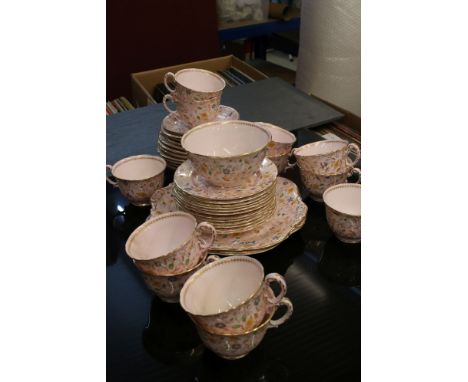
(168, 249)
(232, 304)
(326, 163)
(196, 93)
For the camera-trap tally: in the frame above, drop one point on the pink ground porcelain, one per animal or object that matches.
(170, 243)
(233, 347)
(194, 84)
(226, 154)
(317, 184)
(327, 157)
(230, 295)
(168, 288)
(343, 210)
(193, 113)
(282, 140)
(138, 177)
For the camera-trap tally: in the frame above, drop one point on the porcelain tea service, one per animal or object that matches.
(138, 177)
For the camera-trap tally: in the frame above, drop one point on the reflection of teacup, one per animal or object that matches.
(138, 177)
(167, 288)
(343, 209)
(316, 184)
(193, 113)
(230, 296)
(170, 244)
(226, 153)
(237, 346)
(327, 157)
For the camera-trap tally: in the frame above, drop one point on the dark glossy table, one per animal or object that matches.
(148, 340)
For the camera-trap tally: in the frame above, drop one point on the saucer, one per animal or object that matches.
(197, 186)
(173, 124)
(288, 217)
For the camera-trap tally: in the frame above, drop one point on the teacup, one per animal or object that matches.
(170, 243)
(282, 140)
(317, 184)
(193, 113)
(229, 296)
(343, 210)
(327, 157)
(138, 177)
(237, 346)
(227, 153)
(167, 288)
(195, 85)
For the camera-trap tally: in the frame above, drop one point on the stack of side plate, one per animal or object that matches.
(172, 130)
(230, 210)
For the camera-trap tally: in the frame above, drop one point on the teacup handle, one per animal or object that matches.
(109, 167)
(169, 77)
(212, 259)
(353, 148)
(276, 277)
(290, 165)
(357, 171)
(165, 100)
(286, 316)
(206, 235)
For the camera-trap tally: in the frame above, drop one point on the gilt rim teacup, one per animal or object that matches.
(282, 140)
(229, 295)
(170, 243)
(138, 177)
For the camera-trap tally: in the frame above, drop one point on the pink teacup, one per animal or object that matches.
(230, 296)
(282, 140)
(138, 177)
(193, 113)
(170, 244)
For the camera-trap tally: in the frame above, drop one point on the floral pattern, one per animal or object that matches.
(289, 216)
(317, 184)
(181, 259)
(347, 228)
(238, 346)
(186, 179)
(281, 161)
(187, 94)
(247, 316)
(336, 162)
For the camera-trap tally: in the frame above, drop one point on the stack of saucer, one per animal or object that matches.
(230, 210)
(172, 130)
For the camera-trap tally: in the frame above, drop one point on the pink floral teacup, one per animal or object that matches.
(193, 113)
(138, 177)
(230, 296)
(327, 157)
(170, 244)
(282, 140)
(343, 210)
(227, 153)
(237, 346)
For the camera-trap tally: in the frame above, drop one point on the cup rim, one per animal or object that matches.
(337, 186)
(136, 157)
(200, 70)
(229, 122)
(147, 223)
(205, 268)
(274, 127)
(295, 151)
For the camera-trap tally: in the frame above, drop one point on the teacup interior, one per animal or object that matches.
(344, 198)
(162, 236)
(279, 135)
(320, 148)
(225, 139)
(200, 81)
(222, 286)
(138, 168)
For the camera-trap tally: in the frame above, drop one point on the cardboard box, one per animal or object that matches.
(143, 83)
